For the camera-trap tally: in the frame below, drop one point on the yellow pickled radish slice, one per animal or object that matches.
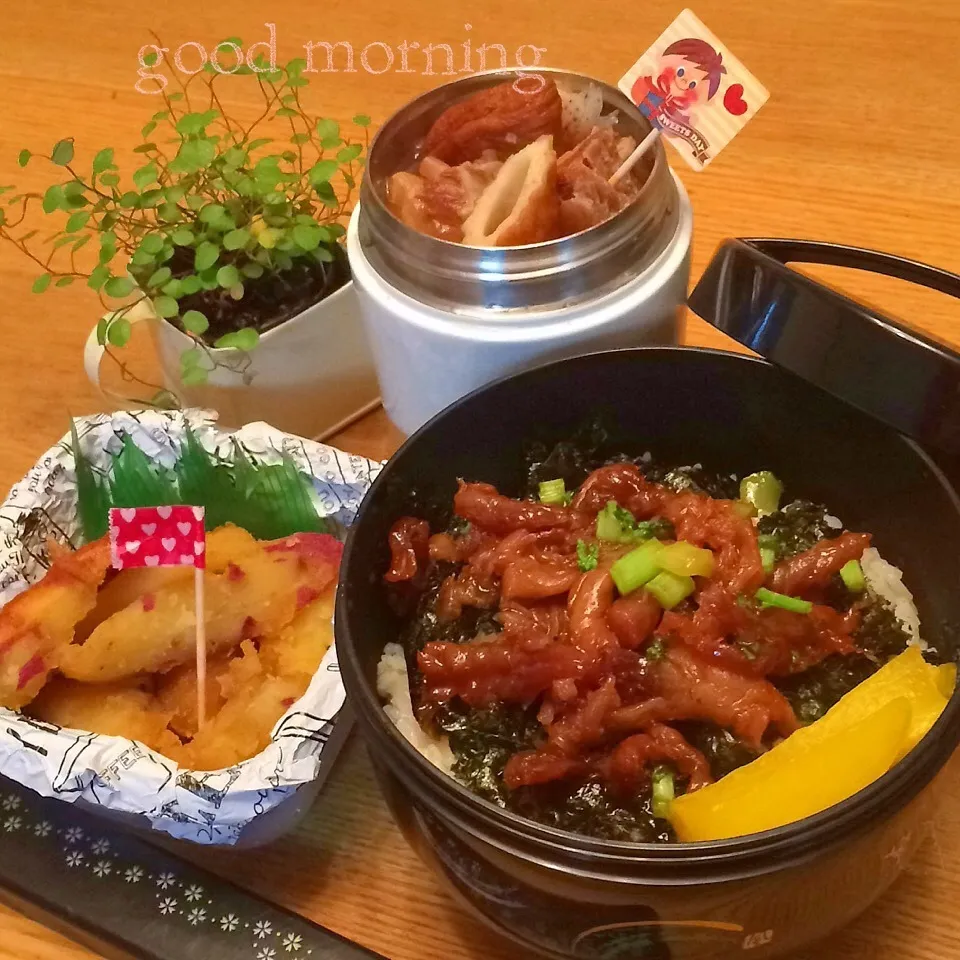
(908, 675)
(803, 775)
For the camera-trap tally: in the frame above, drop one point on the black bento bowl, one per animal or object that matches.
(564, 895)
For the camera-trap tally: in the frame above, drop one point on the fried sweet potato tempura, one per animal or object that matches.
(123, 709)
(36, 625)
(259, 595)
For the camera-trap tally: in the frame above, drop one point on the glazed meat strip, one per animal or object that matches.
(608, 675)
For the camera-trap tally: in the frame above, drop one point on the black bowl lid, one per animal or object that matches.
(906, 379)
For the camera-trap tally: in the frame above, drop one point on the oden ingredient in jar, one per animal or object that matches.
(559, 154)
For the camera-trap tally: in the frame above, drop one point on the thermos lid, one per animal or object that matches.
(907, 379)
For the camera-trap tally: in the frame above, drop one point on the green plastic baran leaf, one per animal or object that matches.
(93, 495)
(245, 339)
(195, 322)
(62, 152)
(135, 481)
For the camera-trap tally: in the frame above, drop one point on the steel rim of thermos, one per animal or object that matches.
(554, 274)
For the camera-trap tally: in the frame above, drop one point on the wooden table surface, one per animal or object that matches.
(857, 144)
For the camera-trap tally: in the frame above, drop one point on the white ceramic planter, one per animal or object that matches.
(310, 376)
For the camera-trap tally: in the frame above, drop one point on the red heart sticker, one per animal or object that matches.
(733, 100)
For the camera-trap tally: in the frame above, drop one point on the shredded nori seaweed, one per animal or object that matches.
(724, 751)
(796, 527)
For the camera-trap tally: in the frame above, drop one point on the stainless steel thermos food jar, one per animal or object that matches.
(444, 318)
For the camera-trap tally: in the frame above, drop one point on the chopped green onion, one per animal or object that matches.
(637, 567)
(852, 575)
(670, 589)
(687, 560)
(769, 598)
(663, 791)
(656, 649)
(587, 555)
(616, 525)
(762, 491)
(768, 558)
(553, 492)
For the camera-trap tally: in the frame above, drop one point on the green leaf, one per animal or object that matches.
(299, 138)
(206, 256)
(146, 148)
(23, 158)
(228, 275)
(252, 270)
(172, 288)
(361, 120)
(168, 212)
(322, 171)
(118, 287)
(195, 322)
(64, 281)
(327, 129)
(152, 243)
(149, 59)
(350, 153)
(306, 236)
(192, 123)
(145, 175)
(129, 200)
(174, 97)
(194, 377)
(297, 82)
(245, 339)
(103, 160)
(326, 193)
(236, 239)
(83, 240)
(53, 198)
(190, 284)
(74, 188)
(142, 259)
(195, 155)
(286, 112)
(159, 277)
(212, 212)
(183, 237)
(118, 332)
(77, 220)
(165, 307)
(109, 179)
(62, 152)
(108, 246)
(42, 282)
(148, 128)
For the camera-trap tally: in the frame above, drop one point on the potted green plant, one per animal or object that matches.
(226, 242)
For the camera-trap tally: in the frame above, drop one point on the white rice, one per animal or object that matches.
(886, 581)
(394, 686)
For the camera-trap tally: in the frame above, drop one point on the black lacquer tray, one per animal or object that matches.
(123, 897)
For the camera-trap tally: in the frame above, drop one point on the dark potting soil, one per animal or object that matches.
(268, 300)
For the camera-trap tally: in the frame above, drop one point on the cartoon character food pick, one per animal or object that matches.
(693, 90)
(166, 536)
